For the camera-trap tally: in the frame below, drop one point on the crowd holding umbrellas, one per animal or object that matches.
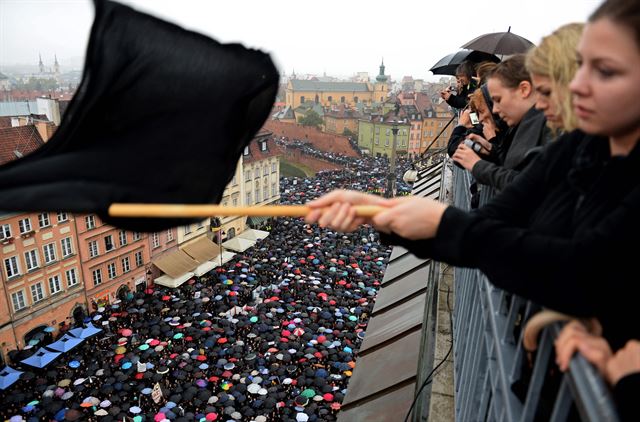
(272, 335)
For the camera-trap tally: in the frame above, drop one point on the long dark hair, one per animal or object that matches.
(624, 12)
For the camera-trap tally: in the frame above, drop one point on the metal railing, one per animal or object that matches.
(495, 379)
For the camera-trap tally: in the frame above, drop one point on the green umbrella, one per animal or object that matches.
(309, 392)
(177, 336)
(143, 347)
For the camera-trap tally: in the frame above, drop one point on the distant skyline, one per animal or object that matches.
(340, 38)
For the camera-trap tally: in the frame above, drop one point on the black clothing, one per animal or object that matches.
(461, 99)
(514, 151)
(153, 95)
(562, 234)
(625, 393)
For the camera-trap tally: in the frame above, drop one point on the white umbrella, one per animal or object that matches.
(253, 388)
(302, 417)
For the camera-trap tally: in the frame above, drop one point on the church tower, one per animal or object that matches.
(40, 64)
(381, 86)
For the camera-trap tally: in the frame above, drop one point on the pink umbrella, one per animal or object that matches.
(159, 416)
(126, 332)
(298, 331)
(211, 416)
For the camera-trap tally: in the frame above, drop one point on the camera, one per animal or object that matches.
(452, 88)
(474, 118)
(476, 147)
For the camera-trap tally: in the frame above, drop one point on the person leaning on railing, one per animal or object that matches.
(621, 369)
(561, 233)
(465, 86)
(510, 88)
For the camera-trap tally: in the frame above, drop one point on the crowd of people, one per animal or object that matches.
(560, 230)
(272, 335)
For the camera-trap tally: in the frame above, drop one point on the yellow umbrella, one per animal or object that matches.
(120, 350)
(64, 383)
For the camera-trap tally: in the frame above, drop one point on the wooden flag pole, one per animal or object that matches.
(193, 211)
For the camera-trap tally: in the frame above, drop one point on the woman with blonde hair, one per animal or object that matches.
(552, 66)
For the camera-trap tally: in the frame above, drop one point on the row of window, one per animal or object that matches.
(187, 228)
(261, 196)
(401, 142)
(155, 238)
(265, 171)
(24, 225)
(109, 244)
(37, 290)
(112, 270)
(12, 264)
(329, 99)
(388, 132)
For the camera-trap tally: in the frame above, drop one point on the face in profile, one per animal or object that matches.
(509, 103)
(606, 87)
(547, 99)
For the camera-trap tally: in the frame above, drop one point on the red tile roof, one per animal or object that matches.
(255, 150)
(5, 122)
(21, 139)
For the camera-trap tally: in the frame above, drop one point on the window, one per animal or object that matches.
(274, 189)
(18, 301)
(265, 170)
(11, 266)
(301, 99)
(265, 191)
(126, 267)
(62, 217)
(247, 175)
(187, 229)
(342, 99)
(355, 99)
(25, 225)
(54, 284)
(386, 142)
(169, 235)
(388, 132)
(258, 194)
(263, 146)
(111, 270)
(31, 258)
(97, 277)
(90, 222)
(49, 253)
(201, 223)
(274, 167)
(246, 151)
(108, 243)
(139, 260)
(248, 198)
(330, 98)
(93, 249)
(72, 277)
(122, 236)
(67, 246)
(256, 173)
(37, 294)
(156, 240)
(5, 231)
(235, 202)
(136, 236)
(43, 220)
(377, 140)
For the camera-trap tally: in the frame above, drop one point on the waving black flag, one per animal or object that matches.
(161, 116)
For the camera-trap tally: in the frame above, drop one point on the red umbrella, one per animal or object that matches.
(126, 332)
(154, 342)
(165, 298)
(211, 416)
(201, 358)
(222, 340)
(227, 374)
(328, 397)
(335, 405)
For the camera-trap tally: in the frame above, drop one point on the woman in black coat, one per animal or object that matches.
(563, 233)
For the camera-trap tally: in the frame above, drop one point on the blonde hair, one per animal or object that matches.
(555, 59)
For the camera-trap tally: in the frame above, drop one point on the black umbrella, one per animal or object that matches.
(449, 63)
(503, 43)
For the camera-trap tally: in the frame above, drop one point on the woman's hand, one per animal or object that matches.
(335, 209)
(626, 361)
(488, 129)
(465, 157)
(410, 217)
(486, 145)
(575, 337)
(465, 119)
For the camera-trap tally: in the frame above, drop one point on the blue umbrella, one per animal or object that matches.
(65, 343)
(74, 364)
(8, 376)
(86, 332)
(146, 391)
(41, 358)
(48, 330)
(60, 415)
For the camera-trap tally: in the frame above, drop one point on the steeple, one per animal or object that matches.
(40, 64)
(293, 74)
(381, 77)
(56, 65)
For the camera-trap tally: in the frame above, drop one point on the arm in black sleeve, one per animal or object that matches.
(457, 136)
(457, 101)
(493, 175)
(625, 393)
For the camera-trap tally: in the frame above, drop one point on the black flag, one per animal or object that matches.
(161, 116)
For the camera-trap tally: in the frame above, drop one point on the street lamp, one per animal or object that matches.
(391, 176)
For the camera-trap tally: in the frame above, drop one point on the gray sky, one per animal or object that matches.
(341, 37)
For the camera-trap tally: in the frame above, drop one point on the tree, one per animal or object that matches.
(311, 119)
(348, 132)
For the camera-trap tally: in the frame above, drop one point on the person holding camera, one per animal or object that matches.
(465, 86)
(510, 88)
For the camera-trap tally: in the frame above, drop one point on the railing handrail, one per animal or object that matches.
(488, 357)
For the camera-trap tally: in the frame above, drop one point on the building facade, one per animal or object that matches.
(113, 260)
(375, 135)
(42, 276)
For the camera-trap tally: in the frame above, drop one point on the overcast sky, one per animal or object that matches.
(339, 37)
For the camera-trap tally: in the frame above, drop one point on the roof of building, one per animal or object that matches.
(18, 108)
(285, 114)
(342, 112)
(5, 121)
(390, 359)
(16, 142)
(300, 85)
(255, 150)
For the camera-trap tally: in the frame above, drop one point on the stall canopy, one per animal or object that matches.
(204, 251)
(168, 281)
(175, 264)
(8, 376)
(253, 234)
(85, 332)
(226, 257)
(65, 343)
(239, 244)
(41, 358)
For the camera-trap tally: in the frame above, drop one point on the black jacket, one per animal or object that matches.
(564, 234)
(462, 98)
(626, 394)
(516, 150)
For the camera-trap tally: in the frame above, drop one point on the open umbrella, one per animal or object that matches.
(449, 63)
(504, 43)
